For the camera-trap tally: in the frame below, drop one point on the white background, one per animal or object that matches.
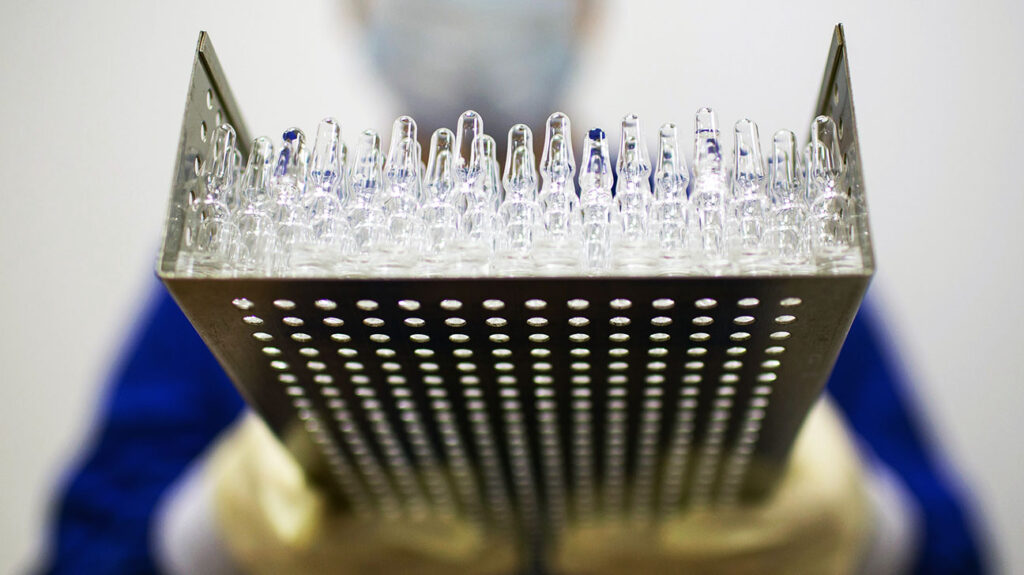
(90, 108)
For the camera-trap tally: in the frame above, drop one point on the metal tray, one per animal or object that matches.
(524, 404)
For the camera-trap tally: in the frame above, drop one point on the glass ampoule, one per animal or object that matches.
(749, 202)
(211, 233)
(467, 251)
(402, 179)
(633, 253)
(293, 179)
(365, 210)
(557, 245)
(478, 225)
(833, 238)
(519, 212)
(670, 212)
(438, 216)
(596, 203)
(710, 194)
(788, 234)
(256, 232)
(325, 221)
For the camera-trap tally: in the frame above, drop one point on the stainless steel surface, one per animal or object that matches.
(208, 104)
(527, 404)
(835, 99)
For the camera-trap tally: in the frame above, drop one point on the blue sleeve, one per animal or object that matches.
(168, 400)
(879, 406)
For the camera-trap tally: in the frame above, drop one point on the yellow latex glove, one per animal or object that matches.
(817, 521)
(274, 521)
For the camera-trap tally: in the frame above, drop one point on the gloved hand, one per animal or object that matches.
(817, 521)
(274, 521)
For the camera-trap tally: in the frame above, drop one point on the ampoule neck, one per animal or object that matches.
(485, 164)
(218, 165)
(325, 171)
(558, 163)
(470, 126)
(402, 168)
(707, 151)
(595, 169)
(748, 164)
(671, 176)
(634, 164)
(825, 158)
(783, 175)
(258, 169)
(292, 159)
(365, 176)
(520, 172)
(440, 176)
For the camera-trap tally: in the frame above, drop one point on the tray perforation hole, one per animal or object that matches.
(620, 304)
(705, 303)
(243, 304)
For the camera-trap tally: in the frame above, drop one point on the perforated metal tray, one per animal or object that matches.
(524, 404)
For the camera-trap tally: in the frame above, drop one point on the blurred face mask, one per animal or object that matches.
(508, 60)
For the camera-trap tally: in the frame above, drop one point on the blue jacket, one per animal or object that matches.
(169, 398)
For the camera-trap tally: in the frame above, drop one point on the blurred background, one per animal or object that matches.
(92, 98)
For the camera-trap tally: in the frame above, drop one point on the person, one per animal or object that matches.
(178, 480)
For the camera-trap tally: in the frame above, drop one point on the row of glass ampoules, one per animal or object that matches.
(300, 212)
